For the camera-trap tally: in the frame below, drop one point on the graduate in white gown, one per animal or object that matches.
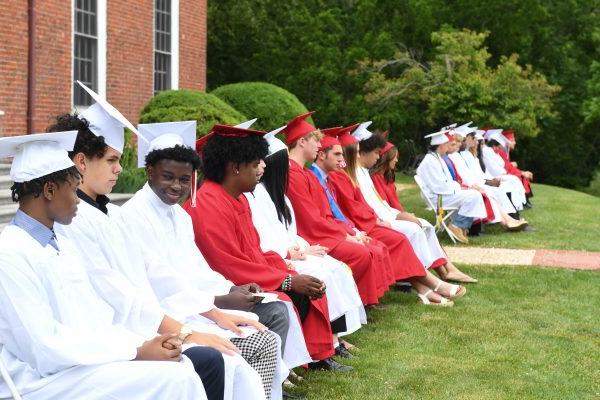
(419, 231)
(167, 231)
(439, 183)
(494, 166)
(281, 236)
(58, 339)
(115, 263)
(499, 201)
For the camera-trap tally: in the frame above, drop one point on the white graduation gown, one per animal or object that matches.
(494, 165)
(476, 175)
(115, 265)
(58, 339)
(168, 236)
(342, 293)
(423, 239)
(438, 182)
(469, 179)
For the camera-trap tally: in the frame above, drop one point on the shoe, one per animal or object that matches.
(295, 377)
(287, 384)
(329, 364)
(342, 351)
(516, 226)
(347, 345)
(425, 300)
(287, 395)
(459, 277)
(404, 287)
(456, 291)
(458, 233)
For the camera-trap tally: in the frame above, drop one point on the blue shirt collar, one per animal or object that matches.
(316, 169)
(35, 229)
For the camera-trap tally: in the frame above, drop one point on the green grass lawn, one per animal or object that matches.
(561, 218)
(521, 333)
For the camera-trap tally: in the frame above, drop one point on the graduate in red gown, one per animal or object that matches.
(511, 167)
(232, 164)
(316, 223)
(384, 177)
(407, 265)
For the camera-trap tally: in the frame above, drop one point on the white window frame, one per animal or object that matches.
(174, 44)
(102, 20)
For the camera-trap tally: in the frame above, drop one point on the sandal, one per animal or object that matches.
(456, 291)
(425, 300)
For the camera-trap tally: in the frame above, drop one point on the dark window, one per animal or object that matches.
(85, 50)
(162, 45)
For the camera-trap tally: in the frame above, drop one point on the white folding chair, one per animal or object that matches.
(9, 382)
(448, 212)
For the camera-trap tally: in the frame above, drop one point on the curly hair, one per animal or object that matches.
(219, 151)
(376, 141)
(90, 145)
(35, 187)
(177, 153)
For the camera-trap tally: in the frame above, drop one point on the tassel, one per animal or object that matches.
(194, 188)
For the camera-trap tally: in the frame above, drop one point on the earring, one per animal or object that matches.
(237, 172)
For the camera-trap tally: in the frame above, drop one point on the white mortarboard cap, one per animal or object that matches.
(447, 128)
(479, 134)
(275, 144)
(438, 138)
(497, 136)
(489, 132)
(362, 133)
(106, 121)
(465, 129)
(247, 124)
(38, 154)
(164, 135)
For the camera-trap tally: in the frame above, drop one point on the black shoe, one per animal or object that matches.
(287, 395)
(329, 364)
(404, 287)
(342, 351)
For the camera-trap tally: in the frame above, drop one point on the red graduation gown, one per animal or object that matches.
(225, 234)
(405, 262)
(387, 191)
(317, 225)
(512, 170)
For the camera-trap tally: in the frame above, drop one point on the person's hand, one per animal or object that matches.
(232, 322)
(308, 286)
(317, 250)
(514, 164)
(363, 237)
(296, 253)
(406, 216)
(493, 182)
(248, 287)
(381, 222)
(165, 347)
(216, 342)
(352, 239)
(238, 300)
(528, 175)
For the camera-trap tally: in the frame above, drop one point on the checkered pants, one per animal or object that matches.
(260, 351)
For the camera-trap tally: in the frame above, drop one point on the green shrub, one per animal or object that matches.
(187, 105)
(594, 187)
(272, 105)
(132, 178)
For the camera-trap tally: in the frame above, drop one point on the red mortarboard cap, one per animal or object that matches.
(330, 137)
(450, 136)
(345, 135)
(510, 135)
(298, 128)
(225, 130)
(388, 145)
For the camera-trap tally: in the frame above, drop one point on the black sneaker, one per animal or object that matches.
(342, 351)
(329, 364)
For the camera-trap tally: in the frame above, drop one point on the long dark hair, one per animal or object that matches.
(382, 166)
(275, 179)
(480, 154)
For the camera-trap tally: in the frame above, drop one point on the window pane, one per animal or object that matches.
(85, 52)
(162, 45)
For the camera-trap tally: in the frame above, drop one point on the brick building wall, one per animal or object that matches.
(129, 54)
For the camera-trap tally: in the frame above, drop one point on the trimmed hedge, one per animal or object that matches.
(272, 105)
(168, 106)
(187, 105)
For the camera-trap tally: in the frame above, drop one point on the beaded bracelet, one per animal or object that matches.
(286, 285)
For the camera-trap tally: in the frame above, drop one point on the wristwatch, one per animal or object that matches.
(184, 333)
